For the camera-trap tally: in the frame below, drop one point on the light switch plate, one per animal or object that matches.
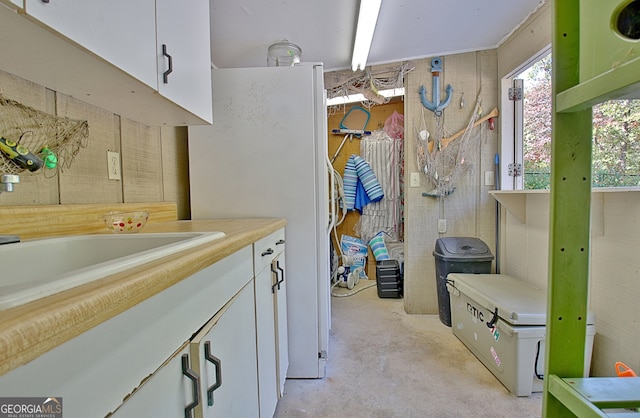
(442, 226)
(415, 180)
(489, 178)
(113, 165)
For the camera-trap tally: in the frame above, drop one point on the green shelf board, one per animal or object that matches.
(619, 82)
(592, 396)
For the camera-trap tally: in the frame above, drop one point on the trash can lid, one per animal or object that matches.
(461, 248)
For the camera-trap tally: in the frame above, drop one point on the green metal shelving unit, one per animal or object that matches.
(584, 40)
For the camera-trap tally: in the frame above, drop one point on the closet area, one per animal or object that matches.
(366, 150)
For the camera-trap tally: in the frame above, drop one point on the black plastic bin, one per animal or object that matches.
(389, 279)
(458, 255)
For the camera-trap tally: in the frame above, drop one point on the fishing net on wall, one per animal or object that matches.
(368, 82)
(55, 140)
(444, 156)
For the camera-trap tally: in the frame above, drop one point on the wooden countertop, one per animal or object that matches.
(30, 330)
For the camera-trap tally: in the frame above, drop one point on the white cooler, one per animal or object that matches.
(513, 349)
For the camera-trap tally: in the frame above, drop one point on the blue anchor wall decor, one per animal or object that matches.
(436, 106)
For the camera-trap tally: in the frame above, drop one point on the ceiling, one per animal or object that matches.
(241, 31)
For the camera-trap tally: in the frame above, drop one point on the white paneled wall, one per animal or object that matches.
(615, 267)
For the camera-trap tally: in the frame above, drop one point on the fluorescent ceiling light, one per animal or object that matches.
(360, 97)
(367, 18)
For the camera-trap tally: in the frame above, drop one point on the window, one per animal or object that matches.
(616, 134)
(536, 124)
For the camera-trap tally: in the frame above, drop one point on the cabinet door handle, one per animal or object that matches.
(165, 75)
(273, 286)
(195, 383)
(281, 271)
(280, 242)
(268, 251)
(45, 1)
(216, 361)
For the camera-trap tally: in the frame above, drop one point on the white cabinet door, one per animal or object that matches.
(115, 55)
(166, 393)
(282, 335)
(122, 32)
(224, 355)
(271, 320)
(183, 42)
(265, 283)
(214, 374)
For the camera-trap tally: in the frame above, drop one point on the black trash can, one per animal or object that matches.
(458, 255)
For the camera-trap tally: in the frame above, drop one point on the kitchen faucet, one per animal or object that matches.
(9, 239)
(6, 185)
(7, 181)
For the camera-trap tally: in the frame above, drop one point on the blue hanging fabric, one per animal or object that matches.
(350, 183)
(361, 186)
(368, 179)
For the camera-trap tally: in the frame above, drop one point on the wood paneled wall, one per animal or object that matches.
(469, 211)
(39, 221)
(154, 160)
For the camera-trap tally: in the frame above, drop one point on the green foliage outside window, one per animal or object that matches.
(616, 135)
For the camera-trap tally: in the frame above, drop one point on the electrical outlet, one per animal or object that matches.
(442, 226)
(489, 178)
(113, 165)
(415, 180)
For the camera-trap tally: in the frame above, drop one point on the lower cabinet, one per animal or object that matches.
(266, 333)
(213, 375)
(224, 353)
(282, 334)
(165, 393)
(103, 367)
(214, 344)
(271, 320)
(235, 365)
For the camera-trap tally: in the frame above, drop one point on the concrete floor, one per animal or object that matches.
(385, 363)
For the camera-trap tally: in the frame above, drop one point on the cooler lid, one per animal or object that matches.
(518, 302)
(462, 249)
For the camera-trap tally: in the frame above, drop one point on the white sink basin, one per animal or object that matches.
(35, 269)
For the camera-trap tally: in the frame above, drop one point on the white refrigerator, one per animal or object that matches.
(266, 156)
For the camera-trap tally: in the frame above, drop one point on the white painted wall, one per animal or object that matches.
(615, 267)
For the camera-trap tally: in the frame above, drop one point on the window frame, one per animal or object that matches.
(511, 126)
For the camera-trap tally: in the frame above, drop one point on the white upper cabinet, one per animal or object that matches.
(122, 32)
(184, 41)
(110, 54)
